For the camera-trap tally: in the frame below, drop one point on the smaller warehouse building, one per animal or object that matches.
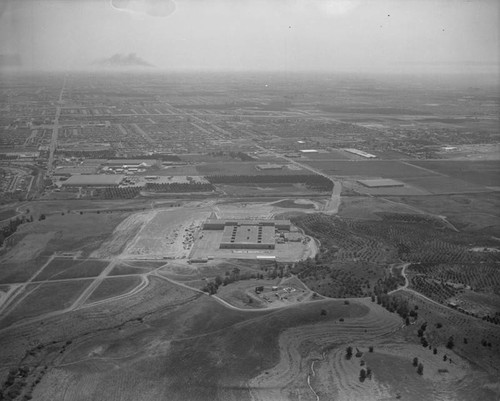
(269, 166)
(94, 180)
(360, 153)
(381, 183)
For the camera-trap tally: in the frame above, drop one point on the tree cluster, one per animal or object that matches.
(234, 155)
(179, 187)
(11, 228)
(117, 193)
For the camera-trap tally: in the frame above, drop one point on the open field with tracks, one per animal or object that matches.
(112, 287)
(40, 299)
(68, 268)
(485, 173)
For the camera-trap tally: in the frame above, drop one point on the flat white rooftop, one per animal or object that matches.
(93, 180)
(381, 183)
(360, 153)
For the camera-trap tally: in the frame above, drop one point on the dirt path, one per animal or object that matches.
(91, 288)
(141, 286)
(407, 283)
(21, 289)
(333, 204)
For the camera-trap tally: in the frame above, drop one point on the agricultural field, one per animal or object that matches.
(68, 268)
(366, 208)
(443, 281)
(355, 256)
(245, 168)
(269, 190)
(439, 185)
(372, 168)
(467, 212)
(484, 173)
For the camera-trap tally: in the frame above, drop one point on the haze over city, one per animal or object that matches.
(298, 35)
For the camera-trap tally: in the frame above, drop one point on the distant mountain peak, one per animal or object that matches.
(123, 60)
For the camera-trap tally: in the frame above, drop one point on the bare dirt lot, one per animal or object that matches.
(166, 233)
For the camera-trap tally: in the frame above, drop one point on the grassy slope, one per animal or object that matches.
(111, 287)
(71, 232)
(198, 351)
(46, 298)
(68, 268)
(217, 366)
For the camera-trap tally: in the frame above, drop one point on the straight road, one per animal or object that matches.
(90, 289)
(55, 131)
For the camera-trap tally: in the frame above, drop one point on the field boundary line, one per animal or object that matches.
(22, 288)
(425, 169)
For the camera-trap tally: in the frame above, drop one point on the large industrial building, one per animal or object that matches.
(247, 234)
(248, 237)
(93, 180)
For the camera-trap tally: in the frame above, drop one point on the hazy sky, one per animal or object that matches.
(290, 35)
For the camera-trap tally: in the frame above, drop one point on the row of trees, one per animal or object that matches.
(312, 181)
(93, 154)
(397, 305)
(234, 155)
(11, 227)
(180, 187)
(117, 193)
